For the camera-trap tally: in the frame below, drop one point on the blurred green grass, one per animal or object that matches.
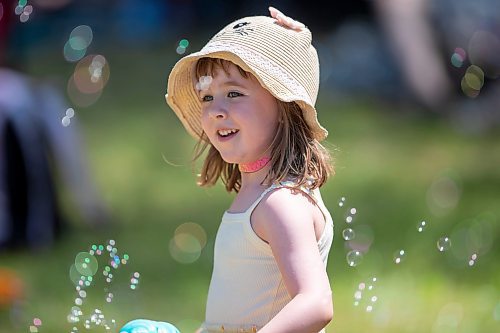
(386, 160)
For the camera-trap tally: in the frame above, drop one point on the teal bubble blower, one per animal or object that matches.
(148, 326)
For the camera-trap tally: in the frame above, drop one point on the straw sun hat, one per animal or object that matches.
(277, 52)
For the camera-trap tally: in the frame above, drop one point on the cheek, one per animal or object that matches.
(270, 119)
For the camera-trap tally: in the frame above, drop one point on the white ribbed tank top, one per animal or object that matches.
(246, 289)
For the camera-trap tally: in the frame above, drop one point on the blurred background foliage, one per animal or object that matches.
(403, 155)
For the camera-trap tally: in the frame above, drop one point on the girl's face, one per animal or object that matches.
(239, 116)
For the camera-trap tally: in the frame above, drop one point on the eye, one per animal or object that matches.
(207, 98)
(233, 94)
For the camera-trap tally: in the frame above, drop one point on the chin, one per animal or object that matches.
(230, 159)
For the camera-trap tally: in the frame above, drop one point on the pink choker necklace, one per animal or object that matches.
(254, 166)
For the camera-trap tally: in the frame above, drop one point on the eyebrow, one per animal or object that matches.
(233, 83)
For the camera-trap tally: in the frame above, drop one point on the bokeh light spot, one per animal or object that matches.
(457, 60)
(188, 242)
(474, 77)
(91, 74)
(444, 193)
(72, 55)
(86, 84)
(363, 240)
(70, 112)
(184, 43)
(81, 36)
(468, 90)
(182, 46)
(86, 264)
(185, 248)
(78, 42)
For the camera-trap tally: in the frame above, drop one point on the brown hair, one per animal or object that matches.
(295, 155)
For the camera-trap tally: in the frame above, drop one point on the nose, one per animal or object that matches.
(217, 110)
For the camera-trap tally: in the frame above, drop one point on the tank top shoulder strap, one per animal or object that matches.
(283, 184)
(261, 196)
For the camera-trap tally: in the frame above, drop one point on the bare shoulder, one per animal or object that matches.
(285, 199)
(282, 210)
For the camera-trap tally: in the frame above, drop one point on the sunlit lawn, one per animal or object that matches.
(396, 169)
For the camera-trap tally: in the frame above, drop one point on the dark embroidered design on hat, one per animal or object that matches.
(241, 28)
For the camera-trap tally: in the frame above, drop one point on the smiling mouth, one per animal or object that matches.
(227, 132)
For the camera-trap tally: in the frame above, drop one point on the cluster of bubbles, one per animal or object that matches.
(36, 324)
(483, 50)
(83, 273)
(23, 10)
(187, 243)
(97, 319)
(182, 46)
(66, 120)
(354, 256)
(91, 72)
(134, 280)
(470, 240)
(365, 292)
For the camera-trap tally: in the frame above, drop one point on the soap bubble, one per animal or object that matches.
(348, 234)
(472, 259)
(421, 226)
(399, 256)
(354, 258)
(443, 244)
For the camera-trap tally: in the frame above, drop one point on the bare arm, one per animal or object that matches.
(285, 221)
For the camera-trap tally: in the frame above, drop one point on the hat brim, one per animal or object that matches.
(183, 99)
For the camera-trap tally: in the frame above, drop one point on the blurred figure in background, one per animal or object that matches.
(441, 56)
(35, 148)
(448, 54)
(412, 40)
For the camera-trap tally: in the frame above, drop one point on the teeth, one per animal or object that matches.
(226, 132)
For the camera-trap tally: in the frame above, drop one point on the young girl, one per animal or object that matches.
(248, 96)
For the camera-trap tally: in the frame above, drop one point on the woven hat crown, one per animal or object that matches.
(283, 60)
